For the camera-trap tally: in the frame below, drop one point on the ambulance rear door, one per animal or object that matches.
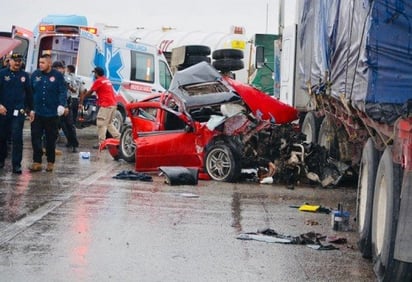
(87, 57)
(26, 48)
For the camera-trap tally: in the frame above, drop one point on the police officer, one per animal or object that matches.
(49, 101)
(76, 87)
(15, 102)
(66, 121)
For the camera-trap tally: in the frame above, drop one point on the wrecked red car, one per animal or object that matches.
(208, 122)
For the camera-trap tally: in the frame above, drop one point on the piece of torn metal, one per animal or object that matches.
(133, 175)
(263, 238)
(178, 175)
(310, 239)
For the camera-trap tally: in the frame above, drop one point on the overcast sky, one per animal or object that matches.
(256, 16)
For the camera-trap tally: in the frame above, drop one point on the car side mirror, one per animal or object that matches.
(188, 128)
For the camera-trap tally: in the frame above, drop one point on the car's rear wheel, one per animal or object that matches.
(221, 164)
(127, 146)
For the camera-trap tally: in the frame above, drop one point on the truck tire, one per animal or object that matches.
(199, 50)
(400, 271)
(221, 163)
(385, 214)
(327, 137)
(226, 65)
(127, 148)
(227, 54)
(310, 127)
(366, 185)
(193, 60)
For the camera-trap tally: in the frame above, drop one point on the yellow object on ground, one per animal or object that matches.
(309, 208)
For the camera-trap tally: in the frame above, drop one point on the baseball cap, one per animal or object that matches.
(16, 56)
(57, 64)
(99, 71)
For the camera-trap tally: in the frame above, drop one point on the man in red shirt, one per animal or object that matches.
(107, 105)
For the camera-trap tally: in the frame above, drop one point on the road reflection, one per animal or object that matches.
(14, 200)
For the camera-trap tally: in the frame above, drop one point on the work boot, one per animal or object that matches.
(35, 167)
(49, 167)
(17, 169)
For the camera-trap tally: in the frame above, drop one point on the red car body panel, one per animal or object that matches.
(172, 148)
(263, 106)
(184, 144)
(163, 147)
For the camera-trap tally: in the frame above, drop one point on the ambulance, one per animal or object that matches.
(136, 69)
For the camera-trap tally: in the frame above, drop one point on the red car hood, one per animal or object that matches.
(262, 105)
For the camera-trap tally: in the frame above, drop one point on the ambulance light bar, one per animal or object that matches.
(92, 30)
(45, 28)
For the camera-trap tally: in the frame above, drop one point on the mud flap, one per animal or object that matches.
(176, 175)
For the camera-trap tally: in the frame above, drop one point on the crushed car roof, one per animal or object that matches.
(201, 85)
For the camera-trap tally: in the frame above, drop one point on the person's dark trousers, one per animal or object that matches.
(69, 130)
(49, 127)
(12, 126)
(74, 107)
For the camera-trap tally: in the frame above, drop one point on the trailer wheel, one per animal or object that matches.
(402, 268)
(366, 185)
(327, 137)
(127, 148)
(385, 213)
(220, 163)
(401, 271)
(310, 127)
(227, 54)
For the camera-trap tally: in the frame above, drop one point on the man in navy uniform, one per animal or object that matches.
(49, 101)
(15, 102)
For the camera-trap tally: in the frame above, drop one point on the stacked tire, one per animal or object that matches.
(195, 54)
(227, 60)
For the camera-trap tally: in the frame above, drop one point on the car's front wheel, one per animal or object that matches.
(127, 146)
(221, 163)
(118, 120)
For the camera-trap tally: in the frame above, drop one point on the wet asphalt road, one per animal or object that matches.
(79, 224)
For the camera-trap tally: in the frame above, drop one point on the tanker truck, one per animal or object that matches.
(347, 67)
